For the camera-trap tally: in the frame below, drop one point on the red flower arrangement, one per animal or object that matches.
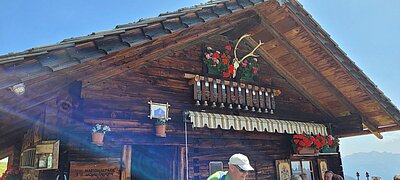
(317, 142)
(332, 142)
(301, 141)
(221, 63)
(218, 62)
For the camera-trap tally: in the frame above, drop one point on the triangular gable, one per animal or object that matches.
(292, 38)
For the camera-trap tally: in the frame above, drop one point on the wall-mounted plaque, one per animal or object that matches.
(102, 170)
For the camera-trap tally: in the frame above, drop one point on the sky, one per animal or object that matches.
(366, 30)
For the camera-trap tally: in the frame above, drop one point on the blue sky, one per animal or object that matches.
(366, 30)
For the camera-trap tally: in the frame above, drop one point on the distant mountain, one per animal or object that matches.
(385, 165)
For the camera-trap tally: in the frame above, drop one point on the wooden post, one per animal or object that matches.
(126, 162)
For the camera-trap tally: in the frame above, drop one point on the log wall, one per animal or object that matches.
(121, 102)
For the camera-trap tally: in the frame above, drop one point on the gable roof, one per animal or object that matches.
(37, 63)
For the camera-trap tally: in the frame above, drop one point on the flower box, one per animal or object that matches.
(247, 78)
(328, 150)
(308, 151)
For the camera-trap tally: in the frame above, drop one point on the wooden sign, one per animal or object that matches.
(94, 170)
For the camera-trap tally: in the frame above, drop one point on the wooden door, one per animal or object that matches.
(154, 162)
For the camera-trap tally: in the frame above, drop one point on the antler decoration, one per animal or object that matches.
(236, 61)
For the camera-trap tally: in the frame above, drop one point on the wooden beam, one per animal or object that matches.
(317, 35)
(371, 127)
(281, 39)
(292, 80)
(366, 132)
(331, 89)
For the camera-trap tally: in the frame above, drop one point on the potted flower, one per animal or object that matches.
(304, 144)
(98, 132)
(248, 69)
(219, 63)
(160, 125)
(331, 144)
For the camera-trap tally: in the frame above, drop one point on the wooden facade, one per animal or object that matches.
(109, 77)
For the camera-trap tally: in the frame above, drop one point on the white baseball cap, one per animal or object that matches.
(242, 161)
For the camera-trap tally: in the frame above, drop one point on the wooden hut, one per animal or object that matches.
(132, 76)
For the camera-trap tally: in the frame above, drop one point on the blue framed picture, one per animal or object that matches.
(158, 110)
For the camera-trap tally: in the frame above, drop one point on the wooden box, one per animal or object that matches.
(47, 155)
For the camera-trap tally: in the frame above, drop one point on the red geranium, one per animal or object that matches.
(228, 47)
(213, 59)
(301, 141)
(319, 141)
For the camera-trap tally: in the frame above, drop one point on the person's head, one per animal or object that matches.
(328, 175)
(337, 177)
(239, 165)
(295, 177)
(396, 177)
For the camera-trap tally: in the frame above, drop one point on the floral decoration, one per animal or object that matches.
(317, 142)
(12, 173)
(221, 63)
(301, 141)
(101, 128)
(249, 68)
(332, 142)
(161, 121)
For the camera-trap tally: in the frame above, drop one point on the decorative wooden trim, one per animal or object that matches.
(192, 77)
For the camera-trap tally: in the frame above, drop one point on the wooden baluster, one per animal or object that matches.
(254, 99)
(236, 100)
(223, 94)
(240, 96)
(247, 97)
(251, 98)
(206, 91)
(267, 101)
(233, 94)
(214, 93)
(261, 99)
(197, 90)
(229, 93)
(272, 102)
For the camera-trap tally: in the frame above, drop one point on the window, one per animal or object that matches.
(303, 168)
(28, 158)
(215, 166)
(3, 165)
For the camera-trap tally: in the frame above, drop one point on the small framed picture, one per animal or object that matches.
(323, 167)
(158, 110)
(283, 169)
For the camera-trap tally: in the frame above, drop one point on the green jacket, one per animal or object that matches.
(220, 175)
